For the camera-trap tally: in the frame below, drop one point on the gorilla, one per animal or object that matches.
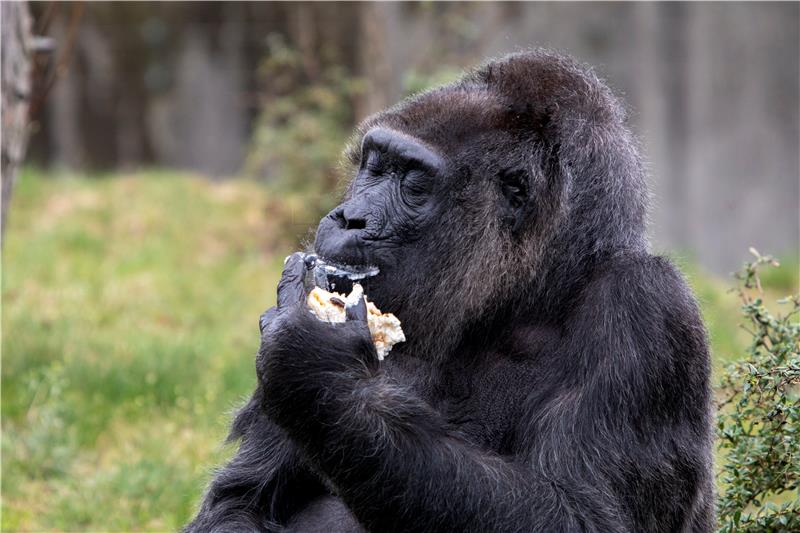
(555, 375)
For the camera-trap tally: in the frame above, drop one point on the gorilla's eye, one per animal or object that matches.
(415, 188)
(414, 185)
(372, 162)
(382, 166)
(514, 194)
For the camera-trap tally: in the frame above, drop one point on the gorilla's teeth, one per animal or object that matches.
(351, 274)
(354, 273)
(336, 277)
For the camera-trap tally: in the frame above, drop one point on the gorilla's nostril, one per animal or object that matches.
(348, 222)
(338, 217)
(355, 223)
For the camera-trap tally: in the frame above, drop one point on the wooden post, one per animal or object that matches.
(15, 22)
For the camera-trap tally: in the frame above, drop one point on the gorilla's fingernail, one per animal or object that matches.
(357, 311)
(310, 260)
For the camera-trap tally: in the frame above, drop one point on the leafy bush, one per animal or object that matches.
(759, 416)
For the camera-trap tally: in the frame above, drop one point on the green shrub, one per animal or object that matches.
(760, 416)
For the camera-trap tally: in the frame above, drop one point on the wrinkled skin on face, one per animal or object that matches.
(392, 202)
(555, 375)
(437, 225)
(393, 212)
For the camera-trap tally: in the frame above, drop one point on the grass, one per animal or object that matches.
(130, 308)
(130, 312)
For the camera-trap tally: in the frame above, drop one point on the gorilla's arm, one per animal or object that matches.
(399, 468)
(265, 483)
(614, 442)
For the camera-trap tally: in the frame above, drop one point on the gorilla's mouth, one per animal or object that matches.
(337, 277)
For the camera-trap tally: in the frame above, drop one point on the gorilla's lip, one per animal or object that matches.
(353, 272)
(333, 275)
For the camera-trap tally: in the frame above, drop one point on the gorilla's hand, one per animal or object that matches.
(302, 360)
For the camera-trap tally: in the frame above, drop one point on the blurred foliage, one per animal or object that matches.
(130, 310)
(305, 119)
(415, 81)
(298, 138)
(722, 307)
(759, 421)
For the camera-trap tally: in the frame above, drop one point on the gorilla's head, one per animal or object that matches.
(489, 197)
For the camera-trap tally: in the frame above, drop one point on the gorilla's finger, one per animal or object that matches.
(310, 260)
(357, 312)
(290, 287)
(266, 318)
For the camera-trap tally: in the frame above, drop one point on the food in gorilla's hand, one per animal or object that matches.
(384, 327)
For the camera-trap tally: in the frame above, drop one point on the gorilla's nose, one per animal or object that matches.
(349, 219)
(342, 234)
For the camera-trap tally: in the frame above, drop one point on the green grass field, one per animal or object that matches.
(130, 308)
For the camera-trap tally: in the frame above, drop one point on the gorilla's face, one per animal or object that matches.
(391, 201)
(393, 204)
(475, 198)
(435, 218)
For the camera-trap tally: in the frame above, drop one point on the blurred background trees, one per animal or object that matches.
(713, 90)
(179, 151)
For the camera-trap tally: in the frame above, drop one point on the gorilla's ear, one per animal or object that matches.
(515, 206)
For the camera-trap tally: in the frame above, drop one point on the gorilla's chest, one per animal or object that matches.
(481, 399)
(486, 405)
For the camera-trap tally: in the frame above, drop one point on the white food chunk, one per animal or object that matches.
(384, 327)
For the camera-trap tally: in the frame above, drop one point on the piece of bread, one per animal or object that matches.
(330, 307)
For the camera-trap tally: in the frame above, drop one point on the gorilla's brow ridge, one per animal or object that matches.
(403, 145)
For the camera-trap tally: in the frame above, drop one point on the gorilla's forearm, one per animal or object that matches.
(264, 484)
(399, 468)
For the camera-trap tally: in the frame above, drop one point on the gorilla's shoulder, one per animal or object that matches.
(647, 286)
(639, 316)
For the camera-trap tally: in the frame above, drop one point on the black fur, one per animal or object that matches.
(556, 375)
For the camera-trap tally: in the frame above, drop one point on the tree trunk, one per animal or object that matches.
(16, 89)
